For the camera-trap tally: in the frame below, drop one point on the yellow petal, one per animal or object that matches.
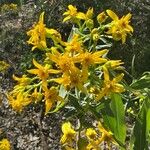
(101, 52)
(128, 17)
(54, 71)
(118, 78)
(112, 15)
(16, 78)
(33, 48)
(33, 71)
(36, 64)
(63, 139)
(81, 15)
(106, 74)
(66, 126)
(66, 18)
(48, 106)
(41, 18)
(71, 7)
(101, 94)
(130, 28)
(118, 88)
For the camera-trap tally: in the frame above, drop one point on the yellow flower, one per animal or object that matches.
(64, 80)
(52, 32)
(74, 78)
(74, 45)
(38, 34)
(68, 133)
(68, 148)
(50, 96)
(114, 64)
(36, 96)
(78, 79)
(42, 72)
(63, 62)
(95, 34)
(119, 28)
(24, 80)
(110, 86)
(87, 59)
(106, 136)
(93, 146)
(4, 144)
(19, 101)
(89, 23)
(102, 17)
(72, 14)
(89, 14)
(54, 35)
(91, 134)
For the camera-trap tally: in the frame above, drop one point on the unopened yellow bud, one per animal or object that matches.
(89, 13)
(101, 17)
(89, 23)
(95, 30)
(96, 37)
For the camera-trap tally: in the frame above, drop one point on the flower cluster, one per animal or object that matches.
(76, 66)
(93, 137)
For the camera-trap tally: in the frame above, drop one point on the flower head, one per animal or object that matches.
(63, 62)
(91, 134)
(119, 28)
(89, 14)
(4, 144)
(19, 101)
(102, 17)
(50, 96)
(23, 81)
(72, 14)
(38, 34)
(106, 136)
(110, 86)
(68, 133)
(74, 45)
(42, 71)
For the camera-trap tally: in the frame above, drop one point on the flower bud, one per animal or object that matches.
(89, 13)
(101, 17)
(90, 23)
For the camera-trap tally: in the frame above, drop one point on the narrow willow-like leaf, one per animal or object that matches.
(58, 107)
(140, 138)
(114, 118)
(74, 102)
(117, 108)
(143, 82)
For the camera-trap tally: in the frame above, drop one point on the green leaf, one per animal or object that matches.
(114, 118)
(74, 102)
(70, 113)
(58, 107)
(142, 83)
(140, 138)
(103, 46)
(117, 108)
